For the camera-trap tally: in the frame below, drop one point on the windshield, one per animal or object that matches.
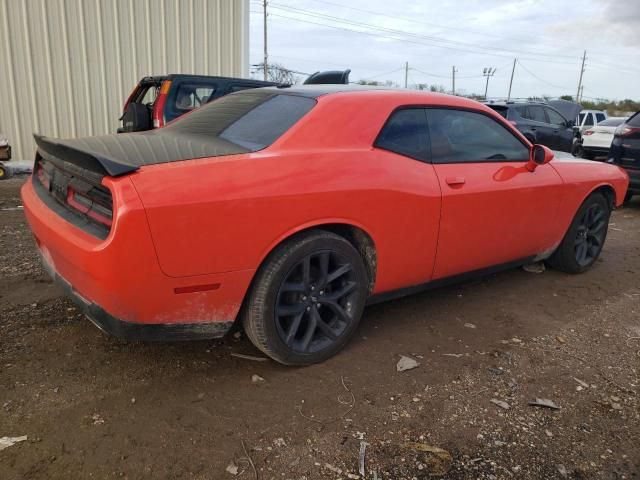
(252, 119)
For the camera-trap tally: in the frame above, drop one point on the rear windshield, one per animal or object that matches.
(634, 121)
(252, 120)
(611, 122)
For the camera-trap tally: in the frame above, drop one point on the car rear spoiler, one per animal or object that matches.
(69, 151)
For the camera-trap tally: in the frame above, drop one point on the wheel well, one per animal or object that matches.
(609, 193)
(361, 242)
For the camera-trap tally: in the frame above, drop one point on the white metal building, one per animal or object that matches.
(67, 66)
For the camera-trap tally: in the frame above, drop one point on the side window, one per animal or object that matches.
(600, 117)
(522, 111)
(190, 96)
(536, 113)
(406, 133)
(149, 96)
(555, 118)
(581, 119)
(459, 136)
(589, 121)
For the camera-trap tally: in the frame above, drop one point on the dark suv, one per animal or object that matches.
(539, 122)
(625, 151)
(157, 100)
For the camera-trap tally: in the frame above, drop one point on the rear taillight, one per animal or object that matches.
(158, 106)
(43, 176)
(625, 130)
(88, 205)
(588, 132)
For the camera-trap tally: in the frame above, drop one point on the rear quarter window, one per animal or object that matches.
(406, 133)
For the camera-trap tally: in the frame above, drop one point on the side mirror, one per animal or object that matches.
(571, 124)
(540, 155)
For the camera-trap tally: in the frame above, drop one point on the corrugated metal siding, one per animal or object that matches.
(67, 66)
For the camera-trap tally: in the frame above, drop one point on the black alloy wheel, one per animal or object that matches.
(583, 242)
(592, 229)
(315, 304)
(307, 298)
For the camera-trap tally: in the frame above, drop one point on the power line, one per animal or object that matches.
(428, 41)
(420, 22)
(540, 79)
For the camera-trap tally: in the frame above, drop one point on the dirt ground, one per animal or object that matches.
(93, 406)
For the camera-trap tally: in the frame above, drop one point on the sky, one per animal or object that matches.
(374, 38)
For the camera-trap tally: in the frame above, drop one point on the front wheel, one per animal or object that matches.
(307, 299)
(583, 242)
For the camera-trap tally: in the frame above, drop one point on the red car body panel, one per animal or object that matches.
(208, 224)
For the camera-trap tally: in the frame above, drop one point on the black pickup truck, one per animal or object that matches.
(157, 100)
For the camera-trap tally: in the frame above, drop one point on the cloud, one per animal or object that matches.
(614, 20)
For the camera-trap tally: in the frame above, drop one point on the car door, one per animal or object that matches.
(494, 210)
(540, 124)
(188, 93)
(561, 132)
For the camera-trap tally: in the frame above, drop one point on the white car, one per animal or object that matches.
(597, 140)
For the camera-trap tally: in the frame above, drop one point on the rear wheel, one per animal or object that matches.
(585, 238)
(307, 299)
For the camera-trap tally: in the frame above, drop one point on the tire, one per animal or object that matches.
(5, 172)
(299, 312)
(627, 198)
(583, 242)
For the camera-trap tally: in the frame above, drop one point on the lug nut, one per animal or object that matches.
(321, 292)
(318, 305)
(308, 309)
(304, 297)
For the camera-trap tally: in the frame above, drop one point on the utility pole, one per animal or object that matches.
(487, 72)
(513, 70)
(453, 80)
(265, 61)
(406, 74)
(584, 58)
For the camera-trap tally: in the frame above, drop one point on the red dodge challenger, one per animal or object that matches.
(290, 209)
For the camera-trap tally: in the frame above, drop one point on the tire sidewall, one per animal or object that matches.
(286, 259)
(568, 242)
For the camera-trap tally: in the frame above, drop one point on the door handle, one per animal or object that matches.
(533, 129)
(455, 181)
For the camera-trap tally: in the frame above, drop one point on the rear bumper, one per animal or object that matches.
(137, 331)
(117, 282)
